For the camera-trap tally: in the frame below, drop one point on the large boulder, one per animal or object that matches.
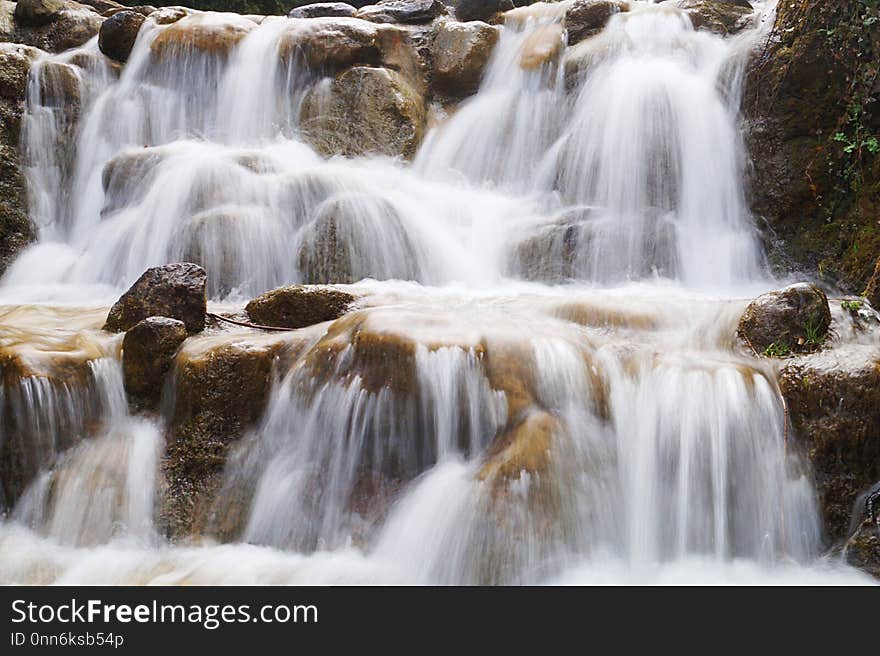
(148, 350)
(460, 54)
(833, 403)
(792, 319)
(364, 111)
(16, 229)
(323, 10)
(298, 306)
(172, 290)
(585, 18)
(480, 10)
(403, 11)
(118, 34)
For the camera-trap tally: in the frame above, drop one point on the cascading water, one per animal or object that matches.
(524, 432)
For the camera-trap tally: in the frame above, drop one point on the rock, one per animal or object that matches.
(169, 15)
(125, 176)
(50, 398)
(793, 319)
(301, 4)
(411, 12)
(298, 306)
(171, 290)
(147, 355)
(542, 47)
(719, 16)
(221, 387)
(72, 26)
(833, 402)
(329, 45)
(862, 549)
(364, 111)
(480, 10)
(208, 33)
(104, 6)
(586, 18)
(61, 86)
(522, 449)
(323, 10)
(16, 229)
(36, 13)
(118, 34)
(872, 291)
(356, 236)
(460, 53)
(797, 98)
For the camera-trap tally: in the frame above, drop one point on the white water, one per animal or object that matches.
(666, 461)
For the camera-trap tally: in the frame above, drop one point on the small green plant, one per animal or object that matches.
(777, 350)
(814, 335)
(851, 306)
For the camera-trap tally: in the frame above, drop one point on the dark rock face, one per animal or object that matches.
(323, 10)
(460, 54)
(16, 229)
(172, 290)
(795, 318)
(862, 547)
(481, 10)
(147, 354)
(872, 291)
(833, 400)
(411, 12)
(118, 34)
(818, 202)
(298, 306)
(588, 17)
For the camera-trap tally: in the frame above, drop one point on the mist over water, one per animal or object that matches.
(565, 257)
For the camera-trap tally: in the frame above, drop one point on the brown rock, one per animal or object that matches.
(329, 45)
(147, 354)
(586, 18)
(542, 47)
(208, 33)
(411, 12)
(118, 34)
(365, 111)
(833, 401)
(298, 306)
(719, 16)
(35, 13)
(792, 319)
(460, 53)
(172, 290)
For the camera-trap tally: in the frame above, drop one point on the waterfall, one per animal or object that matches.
(538, 383)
